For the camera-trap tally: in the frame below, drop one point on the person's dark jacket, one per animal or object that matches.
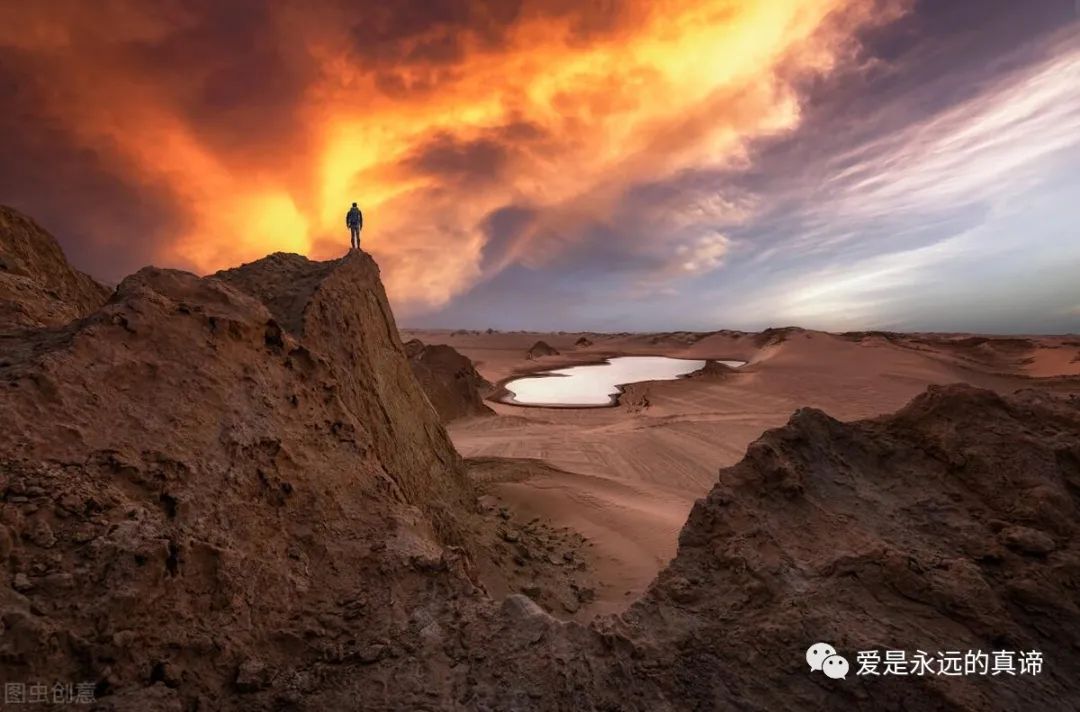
(354, 218)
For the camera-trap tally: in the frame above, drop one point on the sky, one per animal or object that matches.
(607, 165)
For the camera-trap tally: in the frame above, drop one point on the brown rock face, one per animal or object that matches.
(37, 286)
(950, 526)
(193, 476)
(339, 311)
(542, 348)
(714, 370)
(449, 380)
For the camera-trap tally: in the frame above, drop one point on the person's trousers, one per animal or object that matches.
(354, 234)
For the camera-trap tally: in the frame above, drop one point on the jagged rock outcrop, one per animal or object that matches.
(949, 526)
(713, 370)
(449, 380)
(777, 335)
(200, 484)
(339, 311)
(540, 349)
(583, 343)
(37, 286)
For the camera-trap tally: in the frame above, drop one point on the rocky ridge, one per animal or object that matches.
(198, 482)
(37, 286)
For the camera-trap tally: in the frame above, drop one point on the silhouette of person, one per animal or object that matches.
(354, 220)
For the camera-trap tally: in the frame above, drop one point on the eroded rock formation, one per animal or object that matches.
(37, 286)
(713, 370)
(540, 349)
(949, 526)
(449, 379)
(207, 477)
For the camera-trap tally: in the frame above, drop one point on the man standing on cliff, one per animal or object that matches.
(354, 220)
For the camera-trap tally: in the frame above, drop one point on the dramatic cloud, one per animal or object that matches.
(257, 123)
(809, 160)
(929, 187)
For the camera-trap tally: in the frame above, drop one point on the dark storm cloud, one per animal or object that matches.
(237, 77)
(416, 47)
(241, 86)
(434, 31)
(504, 229)
(450, 158)
(427, 31)
(108, 225)
(485, 156)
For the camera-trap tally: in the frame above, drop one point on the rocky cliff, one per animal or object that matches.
(338, 310)
(37, 286)
(210, 478)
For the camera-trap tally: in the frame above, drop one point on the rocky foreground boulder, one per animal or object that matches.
(449, 379)
(948, 527)
(230, 493)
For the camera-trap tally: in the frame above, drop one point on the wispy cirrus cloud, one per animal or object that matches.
(938, 208)
(923, 199)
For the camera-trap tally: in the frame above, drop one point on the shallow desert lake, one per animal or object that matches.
(597, 384)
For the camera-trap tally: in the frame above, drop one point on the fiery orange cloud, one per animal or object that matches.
(433, 126)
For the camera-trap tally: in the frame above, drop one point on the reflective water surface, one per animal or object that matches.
(597, 384)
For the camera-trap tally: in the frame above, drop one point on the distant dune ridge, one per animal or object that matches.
(231, 492)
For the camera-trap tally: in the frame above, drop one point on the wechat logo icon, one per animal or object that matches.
(823, 657)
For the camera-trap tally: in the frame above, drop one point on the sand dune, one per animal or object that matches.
(630, 474)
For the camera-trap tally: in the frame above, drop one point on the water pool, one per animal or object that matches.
(597, 384)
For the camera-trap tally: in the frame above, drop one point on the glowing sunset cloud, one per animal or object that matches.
(659, 151)
(564, 126)
(540, 111)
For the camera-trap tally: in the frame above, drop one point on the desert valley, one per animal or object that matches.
(626, 477)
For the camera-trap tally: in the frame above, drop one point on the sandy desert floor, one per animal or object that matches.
(626, 477)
